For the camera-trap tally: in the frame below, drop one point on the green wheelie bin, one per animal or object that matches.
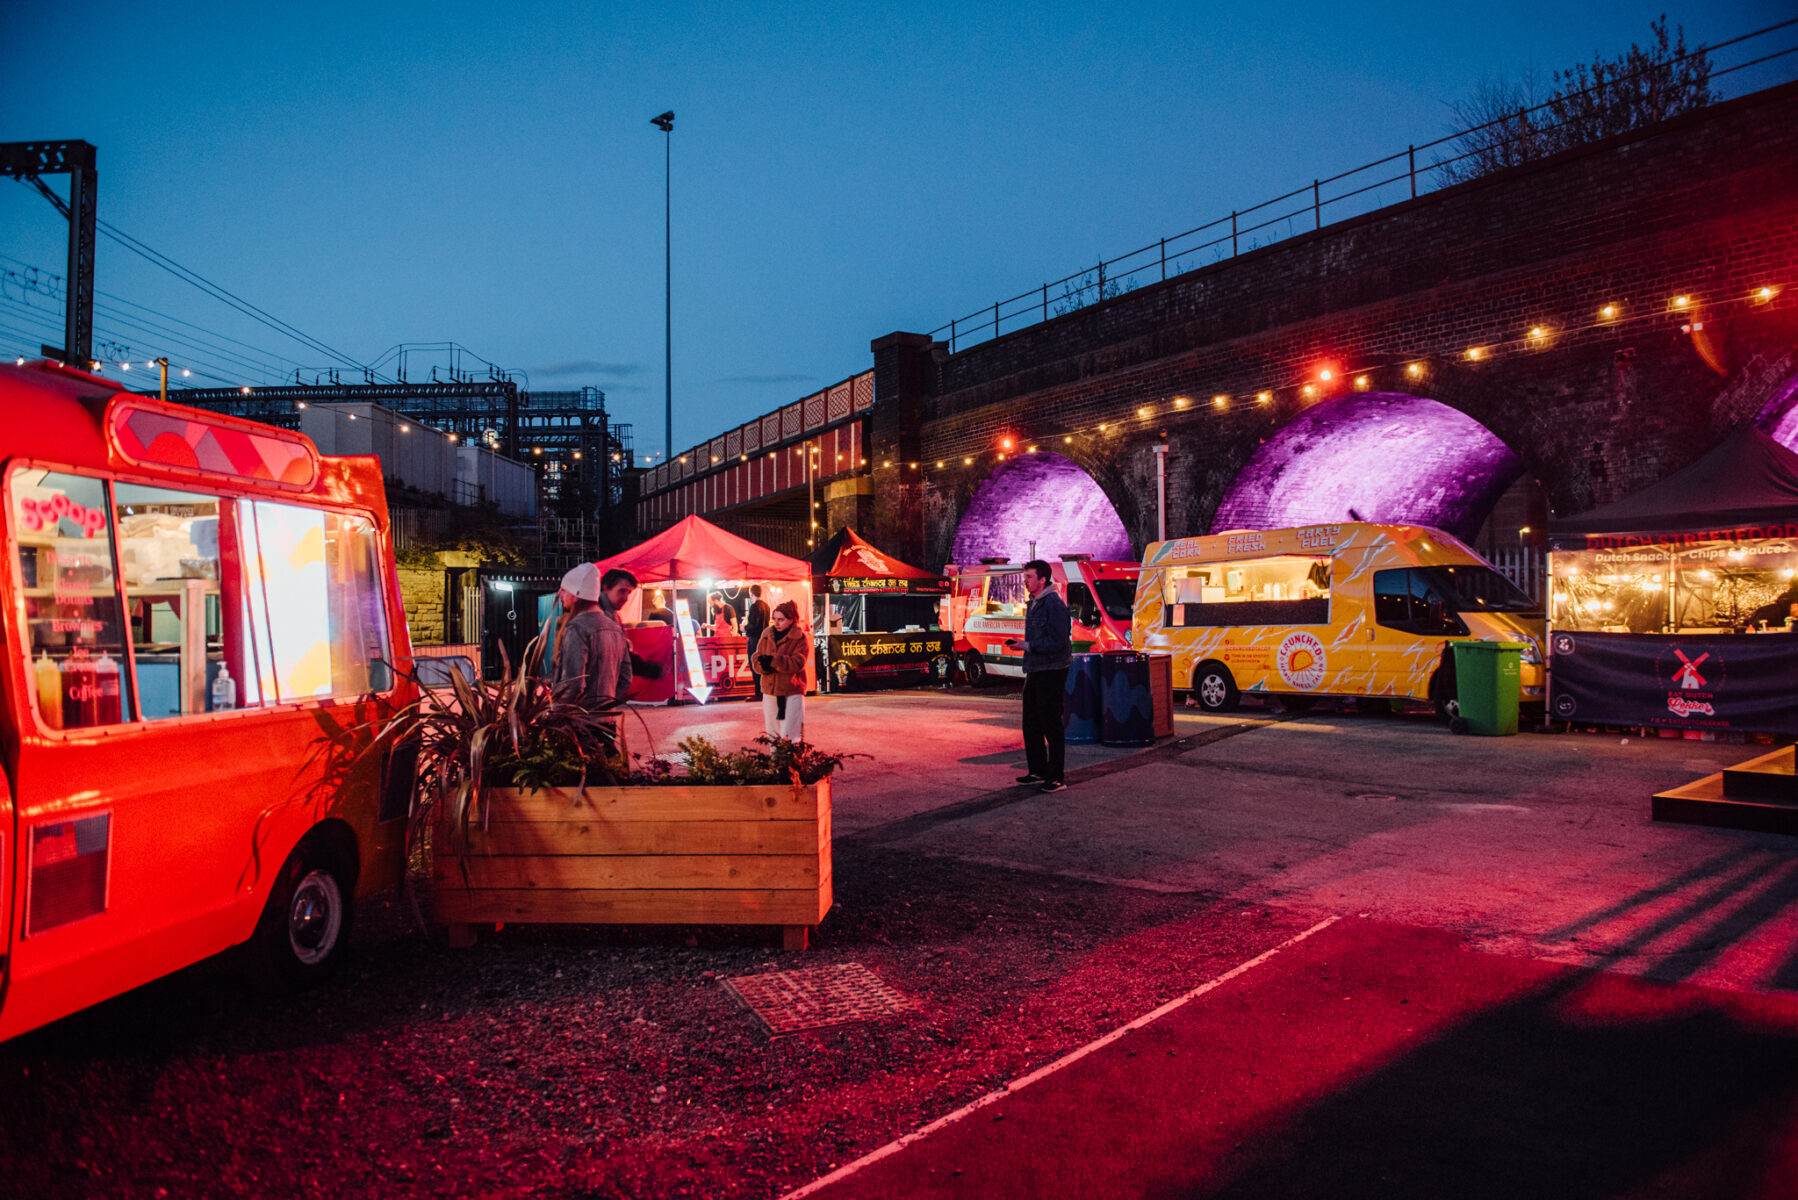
(1487, 686)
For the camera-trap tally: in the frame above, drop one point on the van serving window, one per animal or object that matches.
(74, 618)
(314, 609)
(1283, 590)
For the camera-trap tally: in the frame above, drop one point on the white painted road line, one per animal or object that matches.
(1066, 1060)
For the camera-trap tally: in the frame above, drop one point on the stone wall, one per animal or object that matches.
(1596, 406)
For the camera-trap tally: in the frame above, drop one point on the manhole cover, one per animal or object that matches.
(789, 1001)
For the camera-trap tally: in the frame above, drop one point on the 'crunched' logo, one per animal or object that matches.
(1301, 661)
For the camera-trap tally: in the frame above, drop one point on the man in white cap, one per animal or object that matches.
(591, 645)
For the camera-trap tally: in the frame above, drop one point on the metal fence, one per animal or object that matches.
(1525, 566)
(1360, 190)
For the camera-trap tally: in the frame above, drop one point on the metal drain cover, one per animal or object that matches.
(791, 1001)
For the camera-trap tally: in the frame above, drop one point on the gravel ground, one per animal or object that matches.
(597, 1061)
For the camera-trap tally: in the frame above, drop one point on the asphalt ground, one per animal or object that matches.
(1538, 845)
(1522, 980)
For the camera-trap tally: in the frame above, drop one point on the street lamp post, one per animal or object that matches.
(665, 123)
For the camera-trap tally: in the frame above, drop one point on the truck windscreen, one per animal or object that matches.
(1481, 589)
(1118, 596)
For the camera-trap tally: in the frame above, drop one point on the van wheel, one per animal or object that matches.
(1443, 695)
(975, 668)
(300, 939)
(1214, 688)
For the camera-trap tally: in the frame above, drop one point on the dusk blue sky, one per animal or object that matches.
(486, 174)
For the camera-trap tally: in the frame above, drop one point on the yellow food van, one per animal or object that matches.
(1353, 609)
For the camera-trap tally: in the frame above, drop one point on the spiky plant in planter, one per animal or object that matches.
(516, 731)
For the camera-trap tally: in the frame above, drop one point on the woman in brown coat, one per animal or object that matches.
(779, 661)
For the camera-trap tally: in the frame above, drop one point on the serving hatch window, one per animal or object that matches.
(1283, 590)
(1740, 587)
(1001, 596)
(169, 554)
(220, 602)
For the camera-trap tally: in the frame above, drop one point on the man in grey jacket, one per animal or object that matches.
(1048, 646)
(592, 645)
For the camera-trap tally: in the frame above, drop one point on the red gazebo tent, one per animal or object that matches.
(696, 554)
(863, 567)
(695, 549)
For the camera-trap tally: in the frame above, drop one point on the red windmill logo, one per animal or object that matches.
(1687, 676)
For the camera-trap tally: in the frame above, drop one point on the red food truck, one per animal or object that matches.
(200, 612)
(986, 606)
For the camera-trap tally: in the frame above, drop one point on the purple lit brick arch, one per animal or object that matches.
(1779, 417)
(1375, 456)
(1041, 498)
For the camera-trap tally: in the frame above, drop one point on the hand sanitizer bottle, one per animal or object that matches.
(224, 690)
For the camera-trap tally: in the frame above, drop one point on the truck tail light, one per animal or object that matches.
(67, 871)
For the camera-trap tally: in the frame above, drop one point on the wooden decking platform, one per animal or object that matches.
(1760, 794)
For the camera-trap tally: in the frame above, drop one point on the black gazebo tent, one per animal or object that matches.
(889, 633)
(1653, 598)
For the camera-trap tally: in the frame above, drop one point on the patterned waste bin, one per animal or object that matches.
(1080, 707)
(1127, 712)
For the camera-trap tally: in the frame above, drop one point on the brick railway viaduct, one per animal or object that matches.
(1606, 314)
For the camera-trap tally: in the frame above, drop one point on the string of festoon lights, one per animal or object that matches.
(1328, 379)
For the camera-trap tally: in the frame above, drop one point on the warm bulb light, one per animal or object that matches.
(1264, 397)
(1765, 294)
(967, 462)
(1360, 381)
(1608, 312)
(1309, 390)
(1414, 370)
(1475, 353)
(1067, 441)
(1220, 401)
(1143, 411)
(1033, 449)
(1180, 402)
(1682, 301)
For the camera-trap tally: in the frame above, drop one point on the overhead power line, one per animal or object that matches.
(223, 295)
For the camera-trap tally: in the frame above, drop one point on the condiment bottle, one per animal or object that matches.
(77, 692)
(49, 690)
(107, 691)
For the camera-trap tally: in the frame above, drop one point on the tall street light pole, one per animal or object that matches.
(665, 123)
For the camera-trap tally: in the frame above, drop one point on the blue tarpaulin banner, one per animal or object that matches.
(1745, 682)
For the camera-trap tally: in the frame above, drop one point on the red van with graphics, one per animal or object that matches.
(986, 606)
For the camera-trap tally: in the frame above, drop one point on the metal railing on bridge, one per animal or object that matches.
(1354, 192)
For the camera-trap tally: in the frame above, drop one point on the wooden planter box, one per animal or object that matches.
(739, 855)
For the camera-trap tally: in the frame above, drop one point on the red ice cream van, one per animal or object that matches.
(200, 612)
(986, 605)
